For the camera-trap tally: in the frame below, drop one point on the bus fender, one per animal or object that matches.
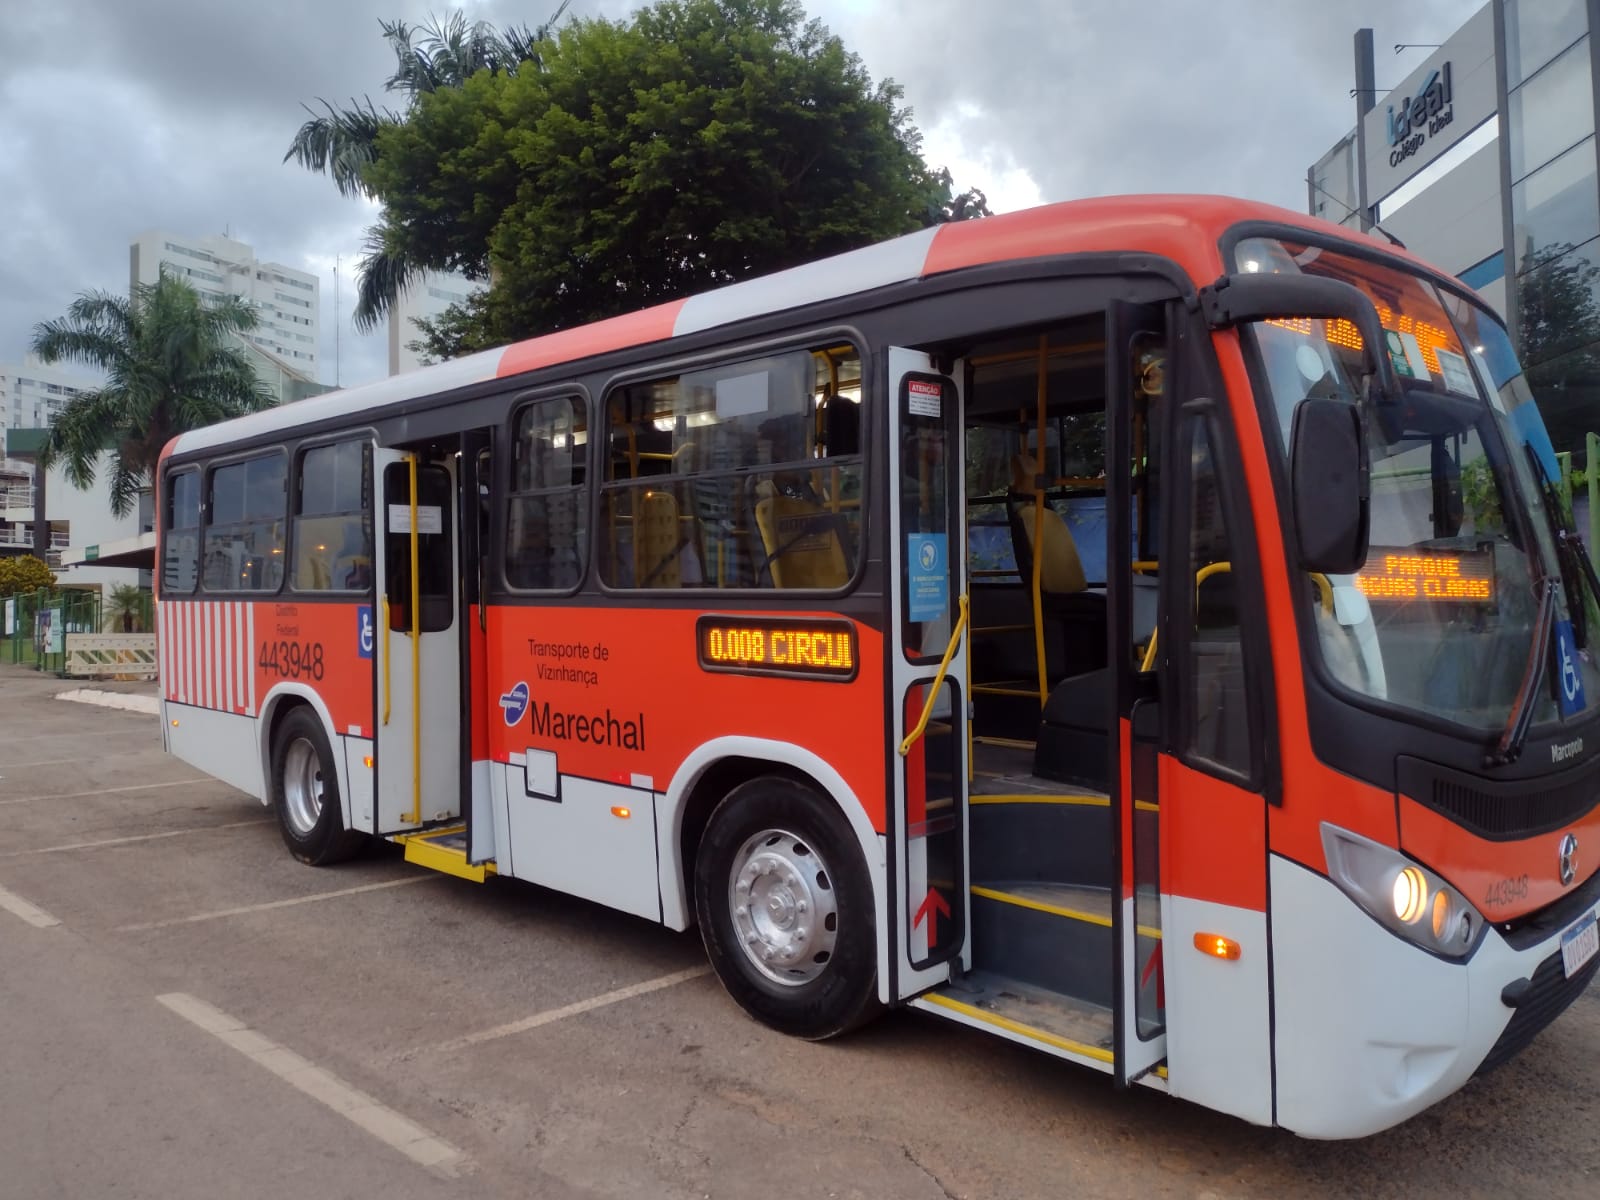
(677, 906)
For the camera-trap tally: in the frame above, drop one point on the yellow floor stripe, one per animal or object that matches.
(1028, 798)
(1041, 906)
(987, 739)
(1029, 1031)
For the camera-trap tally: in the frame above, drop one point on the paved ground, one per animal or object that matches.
(385, 991)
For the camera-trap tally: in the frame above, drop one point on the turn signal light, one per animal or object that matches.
(174, 722)
(367, 761)
(619, 810)
(1217, 946)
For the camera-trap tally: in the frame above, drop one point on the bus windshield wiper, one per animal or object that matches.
(1509, 748)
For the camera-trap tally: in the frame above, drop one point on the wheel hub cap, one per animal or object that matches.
(302, 787)
(784, 910)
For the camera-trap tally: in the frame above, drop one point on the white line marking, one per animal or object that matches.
(49, 762)
(571, 1010)
(137, 787)
(32, 914)
(272, 904)
(142, 837)
(381, 1121)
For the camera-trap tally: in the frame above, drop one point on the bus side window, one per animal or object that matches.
(333, 520)
(547, 513)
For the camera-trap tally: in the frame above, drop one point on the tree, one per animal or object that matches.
(171, 365)
(125, 607)
(1559, 323)
(24, 573)
(341, 143)
(697, 143)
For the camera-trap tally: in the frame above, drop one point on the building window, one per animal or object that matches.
(244, 525)
(333, 524)
(1552, 111)
(1538, 30)
(1557, 207)
(746, 475)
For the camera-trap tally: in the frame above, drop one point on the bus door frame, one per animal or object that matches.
(1139, 711)
(921, 899)
(427, 733)
(476, 532)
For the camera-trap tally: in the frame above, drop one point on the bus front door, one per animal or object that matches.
(927, 677)
(418, 759)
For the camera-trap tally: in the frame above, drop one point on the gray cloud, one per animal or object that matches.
(122, 115)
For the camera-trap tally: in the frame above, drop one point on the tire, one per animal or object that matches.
(305, 792)
(802, 959)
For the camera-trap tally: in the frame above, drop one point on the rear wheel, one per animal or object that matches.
(785, 908)
(305, 792)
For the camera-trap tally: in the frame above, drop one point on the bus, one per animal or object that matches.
(959, 623)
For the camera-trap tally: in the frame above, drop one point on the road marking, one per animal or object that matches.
(272, 904)
(570, 1010)
(52, 762)
(32, 914)
(137, 787)
(142, 837)
(327, 1089)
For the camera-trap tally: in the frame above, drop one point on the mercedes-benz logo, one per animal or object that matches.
(1569, 859)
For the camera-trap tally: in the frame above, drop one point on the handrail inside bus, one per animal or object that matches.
(415, 816)
(933, 688)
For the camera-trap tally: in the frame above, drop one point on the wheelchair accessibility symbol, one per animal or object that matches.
(1569, 679)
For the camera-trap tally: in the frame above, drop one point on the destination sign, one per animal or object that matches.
(1443, 576)
(820, 649)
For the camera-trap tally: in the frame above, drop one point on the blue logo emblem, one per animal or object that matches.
(1569, 679)
(366, 635)
(514, 703)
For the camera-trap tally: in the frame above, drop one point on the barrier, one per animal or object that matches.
(103, 655)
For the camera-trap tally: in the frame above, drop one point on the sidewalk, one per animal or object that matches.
(130, 695)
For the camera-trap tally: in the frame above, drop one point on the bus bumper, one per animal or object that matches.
(1371, 1030)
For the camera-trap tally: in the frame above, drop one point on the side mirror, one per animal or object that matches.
(1330, 489)
(1238, 299)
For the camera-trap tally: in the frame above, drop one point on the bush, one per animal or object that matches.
(24, 574)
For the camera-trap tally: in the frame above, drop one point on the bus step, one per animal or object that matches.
(1047, 935)
(444, 850)
(1033, 1016)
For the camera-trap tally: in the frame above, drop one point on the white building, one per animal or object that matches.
(72, 518)
(427, 298)
(286, 301)
(31, 393)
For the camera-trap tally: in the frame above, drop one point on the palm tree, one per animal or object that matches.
(340, 143)
(171, 365)
(125, 607)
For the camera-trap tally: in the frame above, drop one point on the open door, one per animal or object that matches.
(928, 819)
(418, 759)
(1138, 384)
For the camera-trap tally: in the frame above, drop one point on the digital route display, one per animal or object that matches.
(1438, 576)
(816, 649)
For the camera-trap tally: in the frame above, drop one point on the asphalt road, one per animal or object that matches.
(206, 1017)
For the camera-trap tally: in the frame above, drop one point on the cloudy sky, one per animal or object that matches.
(118, 116)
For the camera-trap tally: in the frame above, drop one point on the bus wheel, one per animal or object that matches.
(305, 792)
(785, 908)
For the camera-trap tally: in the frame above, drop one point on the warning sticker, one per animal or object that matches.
(1457, 377)
(925, 399)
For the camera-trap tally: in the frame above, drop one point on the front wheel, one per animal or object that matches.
(785, 909)
(305, 792)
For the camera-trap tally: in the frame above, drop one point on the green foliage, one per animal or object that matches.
(126, 607)
(1480, 496)
(171, 365)
(25, 573)
(695, 144)
(342, 143)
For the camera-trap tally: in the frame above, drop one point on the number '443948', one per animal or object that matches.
(291, 660)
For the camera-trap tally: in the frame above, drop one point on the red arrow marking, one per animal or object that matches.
(932, 907)
(1153, 966)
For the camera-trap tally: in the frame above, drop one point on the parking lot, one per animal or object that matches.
(186, 1011)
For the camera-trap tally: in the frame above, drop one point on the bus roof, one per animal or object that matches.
(1184, 229)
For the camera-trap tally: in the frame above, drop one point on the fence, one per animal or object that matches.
(37, 626)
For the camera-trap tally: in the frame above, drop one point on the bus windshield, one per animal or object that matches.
(1442, 617)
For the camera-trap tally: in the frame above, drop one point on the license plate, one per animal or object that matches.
(1579, 944)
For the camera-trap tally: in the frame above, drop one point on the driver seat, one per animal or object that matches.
(1064, 595)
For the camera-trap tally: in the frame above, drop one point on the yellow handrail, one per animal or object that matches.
(1324, 589)
(933, 688)
(383, 632)
(1038, 522)
(414, 817)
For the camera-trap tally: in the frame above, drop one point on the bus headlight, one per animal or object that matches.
(1401, 895)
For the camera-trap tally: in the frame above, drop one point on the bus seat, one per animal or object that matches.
(656, 541)
(1064, 595)
(801, 541)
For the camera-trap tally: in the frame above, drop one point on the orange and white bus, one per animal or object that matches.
(1142, 629)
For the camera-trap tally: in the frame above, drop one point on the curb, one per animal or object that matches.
(126, 701)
